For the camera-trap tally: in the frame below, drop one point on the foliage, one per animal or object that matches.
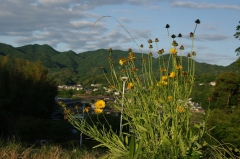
(202, 89)
(224, 125)
(226, 92)
(237, 35)
(25, 89)
(64, 93)
(30, 129)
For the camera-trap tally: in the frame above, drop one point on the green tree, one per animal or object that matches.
(226, 91)
(237, 35)
(25, 89)
(225, 124)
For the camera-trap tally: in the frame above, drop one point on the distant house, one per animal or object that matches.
(76, 87)
(212, 83)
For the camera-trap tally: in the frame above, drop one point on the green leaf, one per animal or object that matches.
(197, 126)
(126, 139)
(166, 141)
(132, 146)
(141, 128)
(138, 148)
(182, 146)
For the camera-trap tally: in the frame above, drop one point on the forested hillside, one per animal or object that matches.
(71, 68)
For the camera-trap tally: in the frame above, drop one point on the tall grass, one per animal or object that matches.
(12, 149)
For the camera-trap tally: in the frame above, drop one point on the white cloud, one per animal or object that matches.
(215, 58)
(203, 5)
(69, 22)
(209, 37)
(212, 37)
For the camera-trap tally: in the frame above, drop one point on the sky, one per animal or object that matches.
(81, 25)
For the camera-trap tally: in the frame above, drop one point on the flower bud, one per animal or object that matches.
(197, 21)
(149, 41)
(191, 34)
(181, 47)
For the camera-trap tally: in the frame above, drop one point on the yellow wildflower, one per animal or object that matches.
(112, 87)
(98, 111)
(172, 75)
(100, 104)
(164, 83)
(170, 98)
(179, 67)
(173, 51)
(86, 109)
(164, 78)
(121, 62)
(180, 109)
(131, 56)
(130, 85)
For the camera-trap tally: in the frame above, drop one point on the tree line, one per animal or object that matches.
(25, 90)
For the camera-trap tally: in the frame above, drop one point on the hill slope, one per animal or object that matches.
(76, 66)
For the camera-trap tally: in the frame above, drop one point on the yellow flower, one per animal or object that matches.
(172, 75)
(100, 104)
(86, 109)
(98, 111)
(180, 109)
(170, 98)
(164, 83)
(121, 62)
(164, 78)
(130, 85)
(131, 56)
(179, 67)
(112, 87)
(173, 51)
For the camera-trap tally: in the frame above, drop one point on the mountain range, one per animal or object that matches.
(78, 65)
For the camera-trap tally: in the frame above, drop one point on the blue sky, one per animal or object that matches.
(66, 25)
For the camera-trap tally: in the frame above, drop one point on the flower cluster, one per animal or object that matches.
(130, 85)
(99, 105)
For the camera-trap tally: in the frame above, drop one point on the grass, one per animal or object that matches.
(16, 150)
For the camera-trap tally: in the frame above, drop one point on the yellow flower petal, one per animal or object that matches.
(130, 85)
(173, 51)
(172, 75)
(100, 104)
(121, 62)
(98, 111)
